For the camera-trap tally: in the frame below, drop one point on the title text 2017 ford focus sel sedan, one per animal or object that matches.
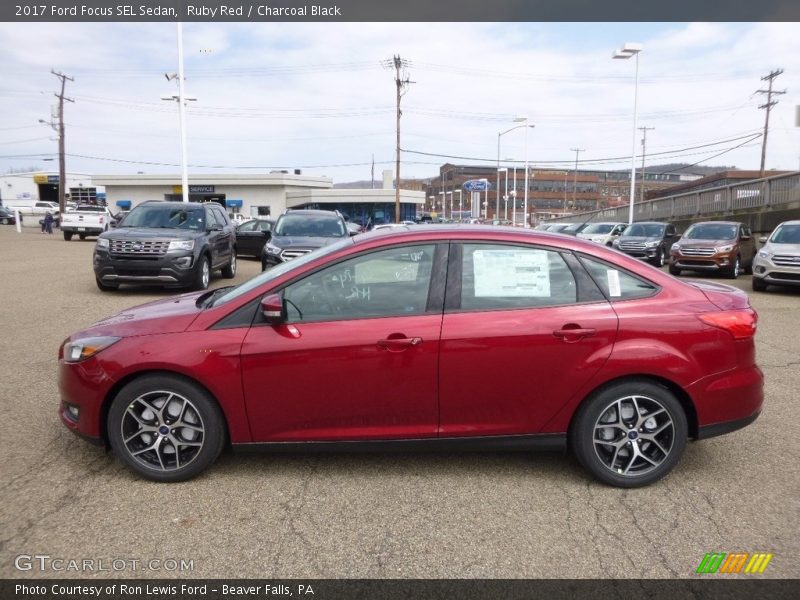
(458, 336)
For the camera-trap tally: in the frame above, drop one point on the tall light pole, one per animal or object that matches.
(444, 204)
(460, 207)
(181, 99)
(577, 152)
(505, 193)
(627, 51)
(524, 121)
(450, 193)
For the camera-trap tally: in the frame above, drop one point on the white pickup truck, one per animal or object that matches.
(86, 219)
(33, 212)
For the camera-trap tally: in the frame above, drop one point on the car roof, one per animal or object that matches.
(718, 223)
(312, 211)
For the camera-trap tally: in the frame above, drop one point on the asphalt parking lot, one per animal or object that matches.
(495, 515)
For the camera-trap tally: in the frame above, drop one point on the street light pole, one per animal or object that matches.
(182, 112)
(460, 207)
(444, 204)
(627, 51)
(525, 223)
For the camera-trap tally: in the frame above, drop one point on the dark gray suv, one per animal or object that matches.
(174, 244)
(298, 232)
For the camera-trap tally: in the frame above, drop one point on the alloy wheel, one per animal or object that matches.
(162, 430)
(633, 436)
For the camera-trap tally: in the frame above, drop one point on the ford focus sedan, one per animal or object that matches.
(460, 337)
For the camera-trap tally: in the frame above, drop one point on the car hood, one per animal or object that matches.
(639, 238)
(150, 233)
(291, 241)
(705, 243)
(791, 249)
(169, 315)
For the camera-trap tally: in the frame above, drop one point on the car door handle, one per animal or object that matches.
(573, 334)
(397, 344)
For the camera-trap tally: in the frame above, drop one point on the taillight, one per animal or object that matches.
(741, 324)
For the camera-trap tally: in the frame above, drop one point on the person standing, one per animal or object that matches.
(47, 223)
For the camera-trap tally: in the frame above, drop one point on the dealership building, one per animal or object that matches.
(263, 194)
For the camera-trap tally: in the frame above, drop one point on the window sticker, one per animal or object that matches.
(614, 289)
(511, 273)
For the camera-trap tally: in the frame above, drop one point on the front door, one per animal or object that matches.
(358, 355)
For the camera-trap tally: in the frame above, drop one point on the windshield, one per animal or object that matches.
(786, 234)
(711, 231)
(558, 227)
(310, 226)
(644, 230)
(599, 228)
(160, 215)
(278, 270)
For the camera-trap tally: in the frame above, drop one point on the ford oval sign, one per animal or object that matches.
(476, 185)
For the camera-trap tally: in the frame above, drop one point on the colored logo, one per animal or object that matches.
(734, 562)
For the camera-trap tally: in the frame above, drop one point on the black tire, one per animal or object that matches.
(82, 236)
(263, 264)
(661, 258)
(736, 269)
(673, 270)
(6, 221)
(608, 457)
(759, 285)
(67, 235)
(188, 421)
(229, 271)
(202, 273)
(106, 287)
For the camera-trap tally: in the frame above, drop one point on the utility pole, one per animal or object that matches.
(768, 106)
(401, 82)
(62, 171)
(577, 152)
(644, 131)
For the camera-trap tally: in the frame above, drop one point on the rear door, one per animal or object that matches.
(524, 329)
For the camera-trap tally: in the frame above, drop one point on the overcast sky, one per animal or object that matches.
(315, 96)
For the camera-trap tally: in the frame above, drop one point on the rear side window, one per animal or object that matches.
(616, 283)
(497, 276)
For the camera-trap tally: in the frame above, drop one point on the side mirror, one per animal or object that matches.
(763, 239)
(272, 308)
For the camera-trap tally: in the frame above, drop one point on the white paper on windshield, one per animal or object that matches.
(614, 289)
(511, 273)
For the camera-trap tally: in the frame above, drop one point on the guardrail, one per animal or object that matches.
(754, 194)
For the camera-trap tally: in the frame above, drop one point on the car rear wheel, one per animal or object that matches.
(165, 428)
(6, 221)
(673, 270)
(759, 285)
(106, 287)
(67, 235)
(630, 434)
(229, 272)
(202, 274)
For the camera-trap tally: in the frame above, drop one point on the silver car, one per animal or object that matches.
(603, 233)
(778, 262)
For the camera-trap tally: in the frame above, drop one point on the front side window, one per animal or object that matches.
(388, 283)
(497, 276)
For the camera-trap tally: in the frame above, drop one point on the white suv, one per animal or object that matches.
(778, 262)
(603, 233)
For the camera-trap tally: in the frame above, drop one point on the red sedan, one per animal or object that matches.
(457, 337)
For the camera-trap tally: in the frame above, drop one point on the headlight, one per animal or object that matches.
(652, 244)
(764, 254)
(78, 350)
(615, 243)
(102, 243)
(727, 248)
(272, 249)
(181, 245)
(676, 246)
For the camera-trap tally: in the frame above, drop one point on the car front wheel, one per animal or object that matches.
(229, 272)
(165, 428)
(736, 269)
(759, 285)
(630, 434)
(202, 274)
